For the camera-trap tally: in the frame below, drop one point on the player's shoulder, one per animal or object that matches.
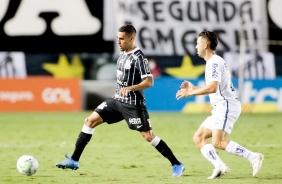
(138, 54)
(217, 59)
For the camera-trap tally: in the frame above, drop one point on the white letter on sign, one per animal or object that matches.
(74, 18)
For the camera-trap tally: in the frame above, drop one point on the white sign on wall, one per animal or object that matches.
(256, 65)
(171, 27)
(12, 65)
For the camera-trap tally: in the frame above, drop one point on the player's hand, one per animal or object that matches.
(123, 92)
(186, 84)
(184, 93)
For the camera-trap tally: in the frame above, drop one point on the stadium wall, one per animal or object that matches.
(259, 96)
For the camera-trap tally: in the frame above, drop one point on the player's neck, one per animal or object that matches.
(208, 55)
(131, 48)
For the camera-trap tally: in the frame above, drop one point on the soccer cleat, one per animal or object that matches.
(177, 170)
(257, 163)
(218, 172)
(68, 164)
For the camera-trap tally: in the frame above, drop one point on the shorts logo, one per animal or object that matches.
(138, 126)
(102, 105)
(134, 121)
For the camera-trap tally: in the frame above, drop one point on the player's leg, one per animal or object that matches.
(105, 112)
(220, 141)
(234, 148)
(200, 138)
(163, 148)
(83, 138)
(254, 158)
(138, 119)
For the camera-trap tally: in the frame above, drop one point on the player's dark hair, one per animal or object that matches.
(128, 29)
(212, 38)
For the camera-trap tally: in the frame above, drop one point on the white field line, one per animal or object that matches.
(64, 144)
(265, 145)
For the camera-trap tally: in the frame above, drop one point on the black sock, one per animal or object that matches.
(80, 144)
(166, 152)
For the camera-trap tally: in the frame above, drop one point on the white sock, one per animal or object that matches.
(87, 129)
(238, 150)
(208, 151)
(155, 141)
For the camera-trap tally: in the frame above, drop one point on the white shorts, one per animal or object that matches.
(224, 115)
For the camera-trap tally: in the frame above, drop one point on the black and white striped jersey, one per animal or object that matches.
(132, 68)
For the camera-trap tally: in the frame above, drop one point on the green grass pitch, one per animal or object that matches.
(118, 155)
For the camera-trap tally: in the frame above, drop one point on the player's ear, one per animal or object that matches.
(206, 45)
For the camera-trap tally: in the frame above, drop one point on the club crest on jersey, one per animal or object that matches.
(127, 64)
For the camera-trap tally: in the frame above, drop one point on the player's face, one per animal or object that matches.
(201, 46)
(124, 41)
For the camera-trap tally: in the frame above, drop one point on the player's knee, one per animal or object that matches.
(148, 138)
(197, 139)
(87, 122)
(217, 144)
(92, 122)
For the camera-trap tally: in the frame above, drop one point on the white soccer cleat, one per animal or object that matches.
(218, 172)
(257, 163)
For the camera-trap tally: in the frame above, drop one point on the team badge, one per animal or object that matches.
(127, 64)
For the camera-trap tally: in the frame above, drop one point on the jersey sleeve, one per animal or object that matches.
(143, 67)
(215, 71)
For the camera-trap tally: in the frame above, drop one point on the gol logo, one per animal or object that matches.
(57, 95)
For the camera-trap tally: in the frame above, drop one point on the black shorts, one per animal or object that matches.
(113, 111)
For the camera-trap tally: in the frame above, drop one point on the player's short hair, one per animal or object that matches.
(212, 38)
(128, 29)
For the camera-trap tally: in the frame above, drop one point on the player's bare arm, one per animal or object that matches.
(187, 84)
(146, 83)
(192, 90)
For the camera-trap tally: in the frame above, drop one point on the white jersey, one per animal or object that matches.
(216, 70)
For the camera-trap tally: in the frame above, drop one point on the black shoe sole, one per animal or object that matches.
(64, 167)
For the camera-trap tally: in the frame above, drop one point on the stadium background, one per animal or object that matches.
(60, 55)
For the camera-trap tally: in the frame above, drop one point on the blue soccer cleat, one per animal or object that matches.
(177, 170)
(68, 164)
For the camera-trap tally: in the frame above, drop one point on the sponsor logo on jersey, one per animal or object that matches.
(121, 83)
(214, 72)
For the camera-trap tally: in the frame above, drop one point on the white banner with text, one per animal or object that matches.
(171, 27)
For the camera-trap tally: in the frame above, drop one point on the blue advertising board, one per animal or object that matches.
(257, 96)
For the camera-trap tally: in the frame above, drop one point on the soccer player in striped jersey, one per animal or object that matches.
(128, 103)
(226, 109)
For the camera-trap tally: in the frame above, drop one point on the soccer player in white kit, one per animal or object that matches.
(226, 109)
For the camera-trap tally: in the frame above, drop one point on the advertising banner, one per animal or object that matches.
(40, 94)
(259, 96)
